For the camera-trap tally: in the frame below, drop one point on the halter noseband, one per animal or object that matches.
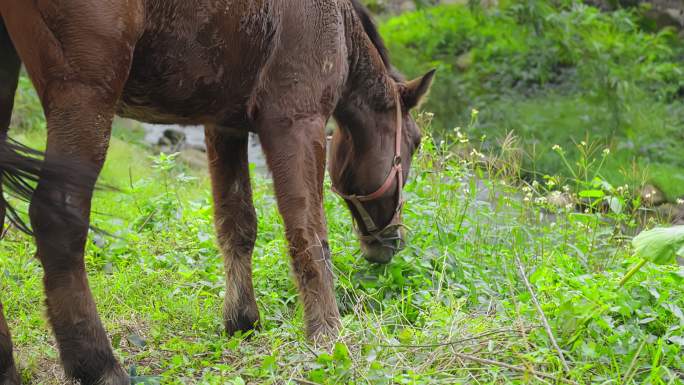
(374, 232)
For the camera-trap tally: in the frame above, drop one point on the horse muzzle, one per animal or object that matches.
(380, 248)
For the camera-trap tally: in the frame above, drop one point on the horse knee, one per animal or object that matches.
(245, 239)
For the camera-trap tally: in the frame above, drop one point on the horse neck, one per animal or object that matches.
(367, 72)
(368, 88)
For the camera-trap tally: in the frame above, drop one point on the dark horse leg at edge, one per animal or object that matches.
(279, 68)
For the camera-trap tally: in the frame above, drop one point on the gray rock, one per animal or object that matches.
(560, 199)
(651, 196)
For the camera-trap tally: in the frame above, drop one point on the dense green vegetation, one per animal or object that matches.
(554, 72)
(484, 215)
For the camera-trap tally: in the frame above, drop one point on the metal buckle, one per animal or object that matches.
(397, 160)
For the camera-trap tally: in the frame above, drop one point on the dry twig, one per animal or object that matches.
(520, 369)
(449, 343)
(547, 327)
(305, 382)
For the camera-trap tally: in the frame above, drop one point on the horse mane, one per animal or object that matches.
(372, 31)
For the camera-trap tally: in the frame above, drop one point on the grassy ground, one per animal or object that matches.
(450, 309)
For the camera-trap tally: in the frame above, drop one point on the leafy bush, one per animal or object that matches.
(554, 73)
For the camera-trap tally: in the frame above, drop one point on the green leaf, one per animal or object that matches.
(324, 358)
(615, 204)
(660, 245)
(341, 353)
(591, 194)
(397, 276)
(269, 363)
(136, 340)
(145, 380)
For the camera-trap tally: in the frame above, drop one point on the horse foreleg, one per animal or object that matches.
(235, 222)
(295, 152)
(78, 54)
(78, 135)
(9, 77)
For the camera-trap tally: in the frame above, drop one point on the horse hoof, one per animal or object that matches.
(10, 377)
(116, 376)
(325, 333)
(243, 322)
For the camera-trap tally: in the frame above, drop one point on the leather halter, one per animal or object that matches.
(389, 232)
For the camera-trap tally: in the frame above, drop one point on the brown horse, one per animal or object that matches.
(279, 68)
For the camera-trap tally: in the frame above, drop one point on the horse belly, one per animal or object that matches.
(195, 63)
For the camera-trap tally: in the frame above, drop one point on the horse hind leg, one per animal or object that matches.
(236, 226)
(9, 77)
(8, 370)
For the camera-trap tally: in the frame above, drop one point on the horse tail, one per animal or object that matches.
(20, 170)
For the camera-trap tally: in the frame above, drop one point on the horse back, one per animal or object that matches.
(203, 61)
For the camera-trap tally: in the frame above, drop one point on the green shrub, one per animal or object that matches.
(554, 73)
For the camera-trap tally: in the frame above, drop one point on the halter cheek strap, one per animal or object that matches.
(395, 173)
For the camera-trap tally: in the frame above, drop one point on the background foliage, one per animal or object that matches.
(554, 72)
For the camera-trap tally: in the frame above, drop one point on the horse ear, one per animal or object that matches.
(414, 90)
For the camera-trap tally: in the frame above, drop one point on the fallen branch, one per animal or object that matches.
(632, 365)
(449, 343)
(6, 230)
(520, 369)
(545, 322)
(305, 382)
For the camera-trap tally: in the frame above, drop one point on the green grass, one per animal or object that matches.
(453, 294)
(648, 137)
